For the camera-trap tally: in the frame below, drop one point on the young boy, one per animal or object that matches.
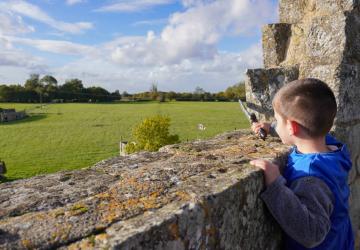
(310, 198)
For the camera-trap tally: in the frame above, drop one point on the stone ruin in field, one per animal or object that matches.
(203, 194)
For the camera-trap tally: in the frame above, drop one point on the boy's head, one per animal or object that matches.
(308, 104)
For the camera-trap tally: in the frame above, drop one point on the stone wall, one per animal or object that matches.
(319, 39)
(198, 195)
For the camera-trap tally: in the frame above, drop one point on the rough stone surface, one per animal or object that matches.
(202, 194)
(261, 86)
(275, 43)
(324, 43)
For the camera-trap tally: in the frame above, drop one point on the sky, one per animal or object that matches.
(128, 45)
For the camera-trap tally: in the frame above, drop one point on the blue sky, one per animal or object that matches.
(130, 44)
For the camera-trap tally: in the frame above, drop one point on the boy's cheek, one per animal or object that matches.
(277, 130)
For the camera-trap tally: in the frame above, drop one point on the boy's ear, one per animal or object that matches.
(294, 127)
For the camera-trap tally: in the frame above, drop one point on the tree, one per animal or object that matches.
(5, 93)
(34, 84)
(97, 94)
(171, 95)
(116, 95)
(153, 91)
(49, 80)
(199, 91)
(198, 94)
(161, 97)
(73, 85)
(235, 92)
(151, 134)
(72, 89)
(50, 86)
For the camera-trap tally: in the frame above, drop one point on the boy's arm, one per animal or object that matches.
(303, 211)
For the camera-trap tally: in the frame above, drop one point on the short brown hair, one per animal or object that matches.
(310, 102)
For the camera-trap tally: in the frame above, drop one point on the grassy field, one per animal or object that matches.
(70, 136)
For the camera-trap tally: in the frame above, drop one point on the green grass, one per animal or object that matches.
(71, 136)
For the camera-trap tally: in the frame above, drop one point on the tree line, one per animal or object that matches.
(46, 89)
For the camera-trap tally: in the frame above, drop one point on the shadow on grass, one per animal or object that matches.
(5, 179)
(31, 118)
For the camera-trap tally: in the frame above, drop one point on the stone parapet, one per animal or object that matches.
(202, 194)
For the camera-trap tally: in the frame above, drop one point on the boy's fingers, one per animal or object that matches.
(256, 126)
(258, 163)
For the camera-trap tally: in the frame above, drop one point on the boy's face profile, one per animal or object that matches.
(283, 129)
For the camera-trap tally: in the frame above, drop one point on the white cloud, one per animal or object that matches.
(72, 2)
(20, 59)
(54, 46)
(32, 11)
(132, 5)
(10, 56)
(213, 75)
(194, 33)
(13, 24)
(191, 3)
(150, 22)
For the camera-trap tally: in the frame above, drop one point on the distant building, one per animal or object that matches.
(8, 115)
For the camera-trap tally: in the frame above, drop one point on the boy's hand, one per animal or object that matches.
(257, 125)
(271, 170)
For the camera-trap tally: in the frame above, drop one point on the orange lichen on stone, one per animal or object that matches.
(90, 242)
(150, 202)
(84, 244)
(101, 237)
(184, 196)
(27, 244)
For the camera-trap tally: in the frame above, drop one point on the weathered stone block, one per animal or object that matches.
(261, 86)
(275, 42)
(292, 11)
(348, 133)
(355, 205)
(219, 221)
(348, 93)
(295, 52)
(352, 50)
(325, 39)
(45, 192)
(295, 11)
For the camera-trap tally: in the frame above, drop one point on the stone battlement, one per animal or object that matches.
(202, 193)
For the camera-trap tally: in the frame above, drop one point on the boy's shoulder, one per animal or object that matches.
(334, 163)
(331, 140)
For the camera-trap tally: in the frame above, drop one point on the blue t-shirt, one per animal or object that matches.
(333, 168)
